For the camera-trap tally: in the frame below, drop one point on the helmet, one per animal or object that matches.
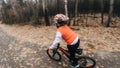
(59, 18)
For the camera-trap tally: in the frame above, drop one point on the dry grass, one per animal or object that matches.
(92, 38)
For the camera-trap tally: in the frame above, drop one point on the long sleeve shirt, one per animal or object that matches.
(58, 39)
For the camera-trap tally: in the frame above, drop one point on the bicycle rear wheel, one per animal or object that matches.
(55, 55)
(86, 62)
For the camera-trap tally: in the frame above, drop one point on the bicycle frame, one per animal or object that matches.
(63, 51)
(78, 51)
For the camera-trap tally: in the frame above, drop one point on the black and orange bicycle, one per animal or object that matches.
(83, 61)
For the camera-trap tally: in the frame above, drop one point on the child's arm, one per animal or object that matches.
(57, 40)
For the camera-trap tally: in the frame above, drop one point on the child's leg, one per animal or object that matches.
(72, 49)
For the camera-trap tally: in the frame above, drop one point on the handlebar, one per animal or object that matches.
(58, 45)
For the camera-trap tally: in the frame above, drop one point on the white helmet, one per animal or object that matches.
(60, 18)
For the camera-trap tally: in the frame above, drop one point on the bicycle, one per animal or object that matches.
(83, 61)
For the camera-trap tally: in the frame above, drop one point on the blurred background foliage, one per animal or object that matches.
(41, 12)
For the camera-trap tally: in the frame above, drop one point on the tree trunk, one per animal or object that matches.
(76, 12)
(102, 13)
(66, 8)
(43, 5)
(58, 6)
(47, 18)
(110, 13)
(45, 13)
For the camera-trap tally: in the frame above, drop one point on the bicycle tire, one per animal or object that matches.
(53, 55)
(83, 61)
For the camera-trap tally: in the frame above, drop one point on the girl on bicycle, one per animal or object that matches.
(70, 37)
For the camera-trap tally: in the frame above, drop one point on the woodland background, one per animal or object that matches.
(24, 37)
(41, 12)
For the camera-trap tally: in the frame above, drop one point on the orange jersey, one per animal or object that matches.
(67, 34)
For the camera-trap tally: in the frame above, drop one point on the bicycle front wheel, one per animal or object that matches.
(86, 62)
(55, 55)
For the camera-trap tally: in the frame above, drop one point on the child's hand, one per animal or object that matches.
(50, 49)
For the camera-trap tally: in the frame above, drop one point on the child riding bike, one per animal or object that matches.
(70, 37)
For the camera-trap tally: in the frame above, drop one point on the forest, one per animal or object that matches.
(41, 12)
(27, 31)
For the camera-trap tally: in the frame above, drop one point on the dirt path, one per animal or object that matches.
(17, 54)
(24, 46)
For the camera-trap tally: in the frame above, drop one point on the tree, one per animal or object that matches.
(102, 9)
(76, 12)
(58, 6)
(7, 14)
(66, 8)
(110, 13)
(45, 13)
